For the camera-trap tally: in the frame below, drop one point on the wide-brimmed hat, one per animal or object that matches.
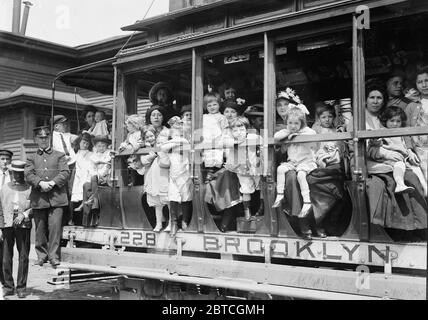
(104, 139)
(17, 165)
(155, 89)
(43, 131)
(6, 153)
(255, 110)
(186, 108)
(233, 104)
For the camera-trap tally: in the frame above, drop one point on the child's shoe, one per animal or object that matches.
(321, 233)
(305, 209)
(183, 225)
(278, 200)
(168, 228)
(403, 189)
(158, 228)
(173, 230)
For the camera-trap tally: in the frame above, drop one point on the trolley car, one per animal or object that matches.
(325, 50)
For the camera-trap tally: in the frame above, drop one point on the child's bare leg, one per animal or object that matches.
(398, 173)
(247, 200)
(304, 189)
(280, 185)
(158, 227)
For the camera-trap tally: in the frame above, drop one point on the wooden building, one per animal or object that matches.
(28, 67)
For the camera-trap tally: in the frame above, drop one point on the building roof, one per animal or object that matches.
(29, 94)
(145, 24)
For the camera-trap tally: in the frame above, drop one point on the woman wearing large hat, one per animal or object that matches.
(161, 94)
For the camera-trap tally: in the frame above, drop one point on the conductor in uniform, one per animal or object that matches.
(47, 172)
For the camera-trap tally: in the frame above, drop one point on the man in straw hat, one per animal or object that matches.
(15, 226)
(47, 172)
(5, 177)
(62, 140)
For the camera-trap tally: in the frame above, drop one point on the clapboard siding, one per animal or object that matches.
(11, 127)
(16, 146)
(12, 78)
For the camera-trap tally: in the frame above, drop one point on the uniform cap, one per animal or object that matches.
(43, 131)
(6, 153)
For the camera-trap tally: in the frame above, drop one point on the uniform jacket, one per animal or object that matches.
(10, 195)
(47, 166)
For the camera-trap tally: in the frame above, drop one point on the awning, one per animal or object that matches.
(97, 76)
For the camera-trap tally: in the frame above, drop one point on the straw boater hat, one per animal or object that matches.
(186, 108)
(59, 119)
(155, 89)
(17, 166)
(101, 139)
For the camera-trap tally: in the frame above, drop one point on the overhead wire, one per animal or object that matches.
(129, 39)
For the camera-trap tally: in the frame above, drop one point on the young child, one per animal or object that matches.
(100, 128)
(214, 125)
(300, 157)
(180, 191)
(134, 124)
(101, 165)
(329, 152)
(245, 160)
(186, 116)
(393, 150)
(156, 178)
(229, 93)
(84, 167)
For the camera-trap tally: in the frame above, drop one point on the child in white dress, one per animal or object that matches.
(300, 157)
(100, 128)
(394, 152)
(134, 123)
(156, 178)
(180, 190)
(100, 171)
(214, 125)
(83, 169)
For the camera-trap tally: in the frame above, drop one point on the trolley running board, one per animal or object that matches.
(280, 280)
(70, 276)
